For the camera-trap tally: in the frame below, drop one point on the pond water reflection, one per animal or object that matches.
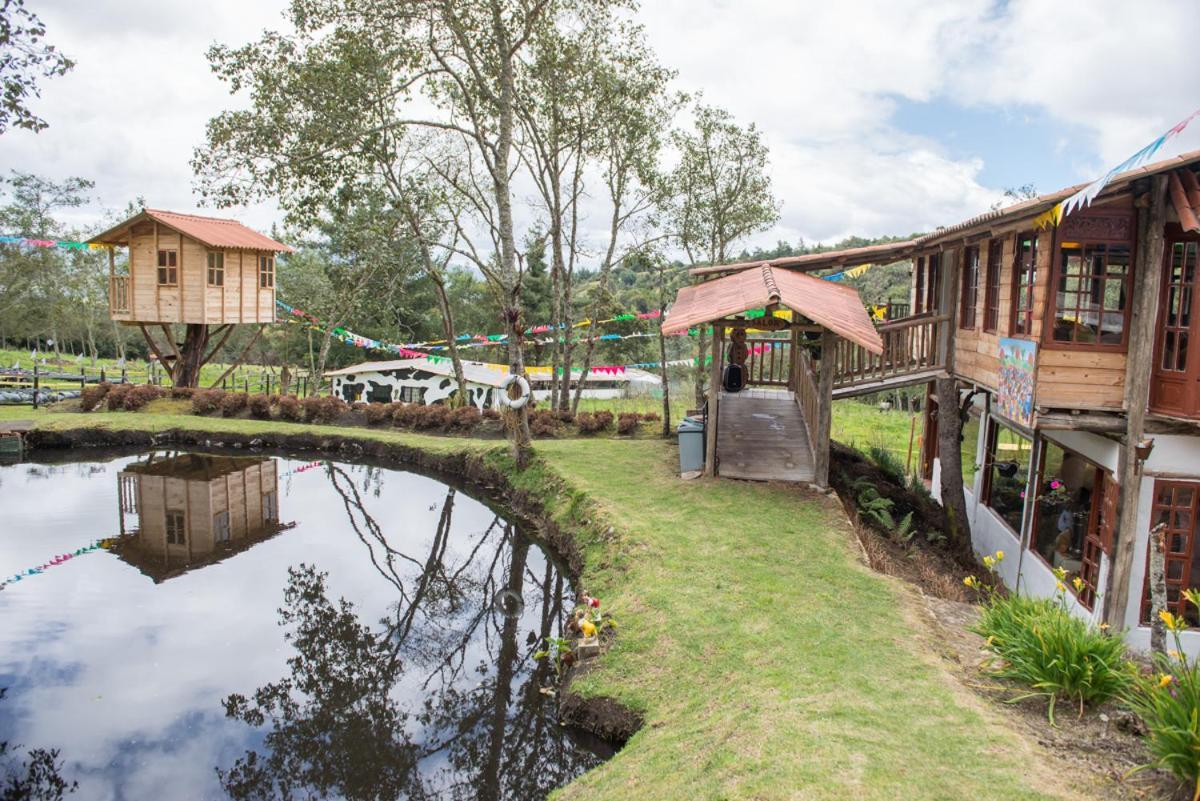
(263, 627)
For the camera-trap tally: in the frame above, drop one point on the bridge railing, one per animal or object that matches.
(910, 346)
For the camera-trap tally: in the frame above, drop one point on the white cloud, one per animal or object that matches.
(821, 80)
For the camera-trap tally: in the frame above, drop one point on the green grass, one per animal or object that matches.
(769, 663)
(862, 426)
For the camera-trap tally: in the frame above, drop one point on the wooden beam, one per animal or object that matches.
(1147, 285)
(162, 358)
(241, 357)
(225, 331)
(824, 421)
(714, 400)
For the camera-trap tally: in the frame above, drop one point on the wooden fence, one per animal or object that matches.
(770, 366)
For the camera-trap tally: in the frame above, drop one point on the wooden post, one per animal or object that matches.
(1158, 587)
(714, 399)
(949, 439)
(36, 384)
(1147, 285)
(824, 409)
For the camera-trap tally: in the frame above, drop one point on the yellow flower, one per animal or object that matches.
(989, 562)
(1193, 597)
(971, 582)
(1164, 680)
(1174, 654)
(999, 556)
(1060, 574)
(991, 639)
(1171, 622)
(1105, 627)
(1078, 584)
(1061, 587)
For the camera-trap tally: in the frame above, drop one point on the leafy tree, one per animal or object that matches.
(25, 58)
(721, 193)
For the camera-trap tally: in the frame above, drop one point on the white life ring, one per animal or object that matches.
(520, 400)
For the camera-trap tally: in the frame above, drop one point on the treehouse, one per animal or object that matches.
(185, 510)
(204, 273)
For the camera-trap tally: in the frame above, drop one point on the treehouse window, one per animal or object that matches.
(970, 288)
(216, 269)
(1091, 302)
(1024, 278)
(991, 295)
(1175, 509)
(266, 272)
(1007, 470)
(168, 267)
(175, 528)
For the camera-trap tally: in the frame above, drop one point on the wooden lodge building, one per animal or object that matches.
(179, 512)
(1075, 353)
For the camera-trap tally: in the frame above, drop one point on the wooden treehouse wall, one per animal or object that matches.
(241, 299)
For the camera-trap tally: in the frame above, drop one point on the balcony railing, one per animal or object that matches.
(910, 347)
(118, 294)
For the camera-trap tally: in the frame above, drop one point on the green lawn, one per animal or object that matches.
(769, 663)
(863, 426)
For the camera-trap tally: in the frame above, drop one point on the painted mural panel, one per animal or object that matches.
(1018, 366)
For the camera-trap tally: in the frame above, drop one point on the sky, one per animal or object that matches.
(882, 116)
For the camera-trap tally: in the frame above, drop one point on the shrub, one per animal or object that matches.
(651, 417)
(1039, 644)
(182, 393)
(593, 422)
(543, 426)
(564, 415)
(260, 406)
(1169, 704)
(137, 397)
(432, 417)
(627, 423)
(116, 396)
(290, 409)
(491, 414)
(465, 418)
(406, 415)
(93, 395)
(378, 413)
(207, 401)
(234, 403)
(323, 409)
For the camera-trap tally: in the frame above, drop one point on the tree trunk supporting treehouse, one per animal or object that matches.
(184, 361)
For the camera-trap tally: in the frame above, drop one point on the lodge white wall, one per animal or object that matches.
(481, 395)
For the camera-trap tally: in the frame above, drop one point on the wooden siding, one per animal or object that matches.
(191, 300)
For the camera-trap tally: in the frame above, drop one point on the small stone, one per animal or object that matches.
(588, 647)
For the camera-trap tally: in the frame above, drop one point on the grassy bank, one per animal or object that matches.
(766, 660)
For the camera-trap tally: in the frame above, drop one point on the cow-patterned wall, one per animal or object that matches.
(423, 387)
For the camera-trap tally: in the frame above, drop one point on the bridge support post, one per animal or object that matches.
(824, 421)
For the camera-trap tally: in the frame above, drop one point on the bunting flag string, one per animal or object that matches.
(96, 545)
(1084, 197)
(853, 272)
(62, 244)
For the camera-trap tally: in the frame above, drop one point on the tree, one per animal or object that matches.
(24, 59)
(721, 193)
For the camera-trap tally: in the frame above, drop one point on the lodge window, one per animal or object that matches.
(991, 292)
(1024, 278)
(412, 394)
(1066, 518)
(266, 272)
(216, 269)
(1007, 469)
(1091, 303)
(1177, 321)
(1175, 508)
(970, 288)
(175, 528)
(168, 267)
(221, 527)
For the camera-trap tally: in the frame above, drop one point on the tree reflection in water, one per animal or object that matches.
(439, 700)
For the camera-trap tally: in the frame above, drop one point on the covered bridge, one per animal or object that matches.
(777, 428)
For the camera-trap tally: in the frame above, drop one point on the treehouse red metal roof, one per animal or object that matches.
(827, 303)
(215, 232)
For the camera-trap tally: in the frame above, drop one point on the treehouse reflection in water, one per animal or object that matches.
(378, 644)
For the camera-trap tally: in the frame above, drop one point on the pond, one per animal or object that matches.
(268, 627)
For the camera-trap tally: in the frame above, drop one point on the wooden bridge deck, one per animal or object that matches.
(762, 436)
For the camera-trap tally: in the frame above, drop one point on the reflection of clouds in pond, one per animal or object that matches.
(127, 676)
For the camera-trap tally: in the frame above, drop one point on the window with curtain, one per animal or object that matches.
(970, 288)
(1024, 279)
